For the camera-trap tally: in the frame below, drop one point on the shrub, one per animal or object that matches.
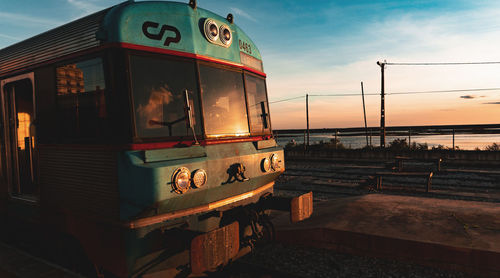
(419, 146)
(493, 147)
(337, 144)
(439, 147)
(398, 145)
(422, 146)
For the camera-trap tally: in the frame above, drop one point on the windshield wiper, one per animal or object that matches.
(189, 114)
(264, 115)
(188, 117)
(167, 124)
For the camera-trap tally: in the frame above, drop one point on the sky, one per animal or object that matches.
(329, 47)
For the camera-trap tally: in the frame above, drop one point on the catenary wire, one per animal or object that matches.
(442, 63)
(391, 93)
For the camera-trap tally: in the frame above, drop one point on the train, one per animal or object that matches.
(137, 142)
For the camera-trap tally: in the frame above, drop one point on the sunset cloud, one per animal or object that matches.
(468, 97)
(242, 14)
(12, 38)
(25, 20)
(471, 97)
(329, 47)
(492, 102)
(85, 6)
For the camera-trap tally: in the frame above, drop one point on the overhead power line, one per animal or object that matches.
(343, 95)
(409, 92)
(393, 93)
(286, 99)
(442, 64)
(444, 91)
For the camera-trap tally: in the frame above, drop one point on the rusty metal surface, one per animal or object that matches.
(210, 250)
(301, 207)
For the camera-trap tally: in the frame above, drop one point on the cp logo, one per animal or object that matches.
(149, 24)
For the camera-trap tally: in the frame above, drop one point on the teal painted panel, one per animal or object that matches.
(174, 153)
(172, 26)
(146, 188)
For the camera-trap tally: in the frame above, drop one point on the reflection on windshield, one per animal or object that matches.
(158, 87)
(224, 105)
(153, 110)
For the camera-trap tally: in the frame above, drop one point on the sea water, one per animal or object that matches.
(462, 141)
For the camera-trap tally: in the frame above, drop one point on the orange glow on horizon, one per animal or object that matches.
(348, 114)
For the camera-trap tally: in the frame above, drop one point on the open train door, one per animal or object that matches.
(19, 155)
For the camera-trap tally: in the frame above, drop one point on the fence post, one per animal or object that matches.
(453, 130)
(307, 117)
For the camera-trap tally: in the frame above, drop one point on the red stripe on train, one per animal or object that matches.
(187, 55)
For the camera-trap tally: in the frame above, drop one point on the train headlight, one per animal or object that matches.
(181, 180)
(199, 178)
(275, 162)
(211, 30)
(265, 165)
(225, 35)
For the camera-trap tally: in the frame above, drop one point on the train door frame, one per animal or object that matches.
(10, 139)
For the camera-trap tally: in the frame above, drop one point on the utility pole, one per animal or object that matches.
(382, 105)
(307, 117)
(364, 112)
(409, 138)
(453, 139)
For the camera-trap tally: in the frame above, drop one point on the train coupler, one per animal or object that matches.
(300, 207)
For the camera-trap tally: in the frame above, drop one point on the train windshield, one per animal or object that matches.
(158, 87)
(234, 102)
(258, 108)
(224, 106)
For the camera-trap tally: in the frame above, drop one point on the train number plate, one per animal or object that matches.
(215, 248)
(301, 207)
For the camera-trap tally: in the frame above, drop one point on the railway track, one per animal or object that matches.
(331, 180)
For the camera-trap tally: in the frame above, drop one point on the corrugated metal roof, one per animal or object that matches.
(124, 23)
(67, 39)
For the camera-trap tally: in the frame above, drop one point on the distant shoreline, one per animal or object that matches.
(468, 141)
(399, 130)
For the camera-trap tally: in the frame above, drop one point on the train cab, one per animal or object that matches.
(143, 133)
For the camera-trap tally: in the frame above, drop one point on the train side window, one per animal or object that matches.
(81, 99)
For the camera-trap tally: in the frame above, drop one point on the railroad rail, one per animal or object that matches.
(347, 178)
